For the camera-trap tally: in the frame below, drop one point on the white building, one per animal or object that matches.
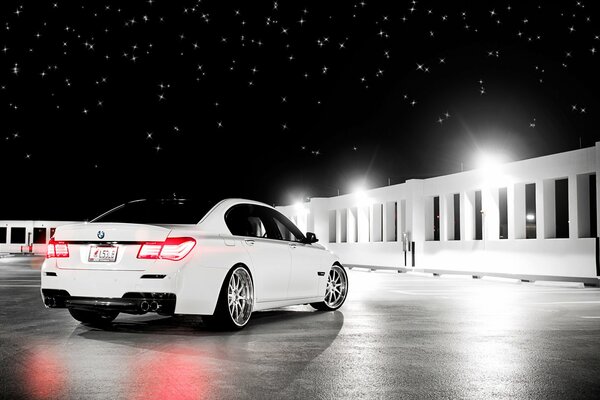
(535, 217)
(27, 236)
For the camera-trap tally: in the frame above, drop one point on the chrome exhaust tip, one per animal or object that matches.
(153, 306)
(49, 301)
(144, 306)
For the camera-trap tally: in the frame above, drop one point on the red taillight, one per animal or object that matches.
(57, 249)
(171, 249)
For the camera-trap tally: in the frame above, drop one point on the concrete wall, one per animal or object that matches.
(545, 255)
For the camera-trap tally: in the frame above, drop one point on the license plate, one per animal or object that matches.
(103, 254)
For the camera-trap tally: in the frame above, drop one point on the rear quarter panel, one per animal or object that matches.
(202, 276)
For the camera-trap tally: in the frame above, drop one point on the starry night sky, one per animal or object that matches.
(105, 101)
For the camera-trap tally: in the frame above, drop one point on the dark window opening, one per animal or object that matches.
(436, 218)
(503, 209)
(593, 220)
(561, 197)
(17, 235)
(530, 217)
(52, 231)
(395, 222)
(456, 216)
(478, 216)
(2, 235)
(39, 235)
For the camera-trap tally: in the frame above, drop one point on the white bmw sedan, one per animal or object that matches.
(180, 257)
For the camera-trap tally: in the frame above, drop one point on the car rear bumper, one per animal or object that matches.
(130, 303)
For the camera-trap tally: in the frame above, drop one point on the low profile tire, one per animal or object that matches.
(336, 292)
(93, 317)
(236, 300)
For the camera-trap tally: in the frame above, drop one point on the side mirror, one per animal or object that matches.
(311, 238)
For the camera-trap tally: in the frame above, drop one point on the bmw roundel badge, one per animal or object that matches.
(100, 234)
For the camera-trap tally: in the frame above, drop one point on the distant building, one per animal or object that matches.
(27, 236)
(530, 217)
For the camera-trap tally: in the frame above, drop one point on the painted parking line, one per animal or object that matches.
(571, 302)
(590, 317)
(20, 286)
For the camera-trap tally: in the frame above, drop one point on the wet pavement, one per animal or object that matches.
(397, 336)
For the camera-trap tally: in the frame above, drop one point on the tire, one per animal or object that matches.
(236, 300)
(337, 290)
(93, 317)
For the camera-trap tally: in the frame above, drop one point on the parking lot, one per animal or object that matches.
(397, 336)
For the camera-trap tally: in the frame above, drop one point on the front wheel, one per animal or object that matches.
(336, 292)
(236, 300)
(93, 317)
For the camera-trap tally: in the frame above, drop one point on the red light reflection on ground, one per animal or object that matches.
(173, 373)
(44, 374)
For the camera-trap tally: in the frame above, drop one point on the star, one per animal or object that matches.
(157, 148)
(149, 135)
(219, 124)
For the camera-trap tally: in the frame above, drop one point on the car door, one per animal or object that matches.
(271, 258)
(307, 259)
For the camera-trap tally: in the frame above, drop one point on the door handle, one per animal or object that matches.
(249, 242)
(292, 245)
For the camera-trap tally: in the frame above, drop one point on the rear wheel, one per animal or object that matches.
(93, 317)
(236, 300)
(336, 292)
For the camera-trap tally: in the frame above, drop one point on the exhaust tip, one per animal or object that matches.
(144, 306)
(153, 306)
(49, 301)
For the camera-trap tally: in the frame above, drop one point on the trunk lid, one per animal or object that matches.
(107, 246)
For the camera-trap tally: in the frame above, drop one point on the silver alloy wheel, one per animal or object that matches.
(337, 287)
(240, 296)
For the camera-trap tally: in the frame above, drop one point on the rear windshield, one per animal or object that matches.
(158, 212)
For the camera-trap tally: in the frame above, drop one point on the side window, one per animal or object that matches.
(251, 220)
(238, 220)
(288, 230)
(257, 229)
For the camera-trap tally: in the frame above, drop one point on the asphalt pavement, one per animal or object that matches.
(397, 336)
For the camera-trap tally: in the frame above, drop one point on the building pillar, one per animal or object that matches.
(540, 223)
(510, 206)
(573, 212)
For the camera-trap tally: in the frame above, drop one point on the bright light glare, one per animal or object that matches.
(491, 169)
(361, 196)
(300, 207)
(530, 217)
(489, 162)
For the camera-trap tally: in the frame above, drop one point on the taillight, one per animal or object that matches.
(57, 249)
(171, 249)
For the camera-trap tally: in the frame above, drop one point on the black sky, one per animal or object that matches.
(103, 102)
